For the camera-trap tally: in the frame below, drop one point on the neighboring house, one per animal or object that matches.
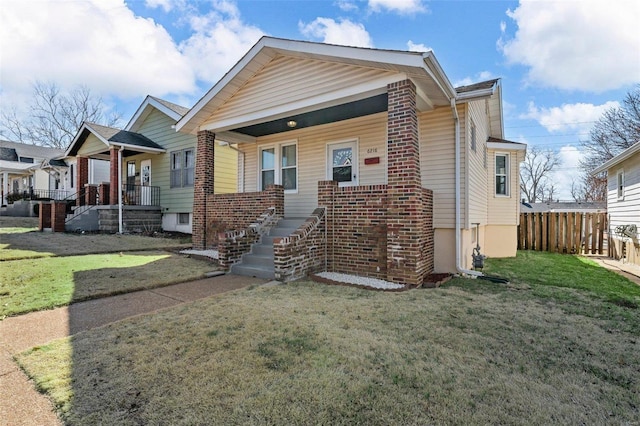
(564, 206)
(151, 171)
(30, 171)
(394, 163)
(623, 203)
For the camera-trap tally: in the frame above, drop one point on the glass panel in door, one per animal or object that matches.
(343, 163)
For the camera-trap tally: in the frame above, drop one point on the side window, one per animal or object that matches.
(620, 185)
(176, 169)
(502, 174)
(267, 167)
(289, 161)
(188, 172)
(473, 136)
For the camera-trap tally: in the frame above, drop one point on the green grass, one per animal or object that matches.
(552, 271)
(545, 351)
(15, 230)
(35, 284)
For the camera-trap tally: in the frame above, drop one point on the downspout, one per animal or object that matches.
(120, 189)
(456, 120)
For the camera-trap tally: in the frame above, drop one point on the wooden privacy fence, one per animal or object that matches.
(567, 232)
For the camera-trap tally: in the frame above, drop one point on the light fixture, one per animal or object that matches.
(292, 123)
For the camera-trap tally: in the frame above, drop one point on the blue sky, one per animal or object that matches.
(562, 63)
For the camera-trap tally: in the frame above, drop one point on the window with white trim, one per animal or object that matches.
(183, 218)
(182, 168)
(279, 165)
(502, 174)
(620, 186)
(473, 136)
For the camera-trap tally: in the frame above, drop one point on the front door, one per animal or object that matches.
(145, 182)
(342, 163)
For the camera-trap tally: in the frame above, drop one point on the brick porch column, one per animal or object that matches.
(405, 212)
(82, 178)
(113, 176)
(326, 191)
(202, 187)
(58, 216)
(44, 216)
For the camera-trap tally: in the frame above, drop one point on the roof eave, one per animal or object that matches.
(624, 155)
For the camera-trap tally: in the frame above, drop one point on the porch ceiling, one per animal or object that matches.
(359, 108)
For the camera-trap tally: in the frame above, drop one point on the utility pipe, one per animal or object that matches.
(120, 189)
(456, 120)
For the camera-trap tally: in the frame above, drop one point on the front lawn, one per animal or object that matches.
(35, 284)
(471, 352)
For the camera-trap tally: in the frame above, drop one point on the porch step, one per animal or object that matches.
(259, 261)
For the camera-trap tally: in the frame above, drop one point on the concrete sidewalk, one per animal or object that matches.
(21, 403)
(627, 270)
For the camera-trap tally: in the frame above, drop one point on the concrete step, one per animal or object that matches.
(262, 249)
(293, 222)
(258, 260)
(281, 232)
(253, 271)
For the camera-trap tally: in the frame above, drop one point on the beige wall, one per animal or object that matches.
(369, 131)
(504, 210)
(500, 241)
(92, 145)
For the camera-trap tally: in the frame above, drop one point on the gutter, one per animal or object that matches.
(456, 120)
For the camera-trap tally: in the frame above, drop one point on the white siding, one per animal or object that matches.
(99, 171)
(624, 211)
(371, 133)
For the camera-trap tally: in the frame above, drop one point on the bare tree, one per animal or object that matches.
(54, 116)
(535, 171)
(615, 131)
(590, 188)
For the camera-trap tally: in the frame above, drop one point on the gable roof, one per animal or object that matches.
(422, 68)
(496, 143)
(10, 150)
(174, 111)
(624, 155)
(476, 90)
(111, 137)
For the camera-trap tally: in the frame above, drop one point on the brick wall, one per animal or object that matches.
(226, 212)
(233, 244)
(303, 252)
(356, 228)
(113, 178)
(405, 221)
(202, 187)
(44, 215)
(104, 194)
(82, 178)
(58, 215)
(91, 195)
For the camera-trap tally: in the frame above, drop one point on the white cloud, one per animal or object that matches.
(574, 117)
(417, 47)
(102, 45)
(576, 45)
(347, 6)
(481, 76)
(344, 32)
(568, 171)
(403, 7)
(166, 5)
(219, 40)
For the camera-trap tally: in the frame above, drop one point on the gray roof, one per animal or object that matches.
(173, 107)
(104, 131)
(477, 86)
(27, 150)
(132, 138)
(563, 206)
(498, 140)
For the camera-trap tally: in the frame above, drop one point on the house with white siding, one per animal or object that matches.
(623, 203)
(150, 173)
(353, 160)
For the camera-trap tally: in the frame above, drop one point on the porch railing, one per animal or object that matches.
(136, 195)
(37, 194)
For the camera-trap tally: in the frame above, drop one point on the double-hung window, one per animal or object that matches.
(502, 174)
(279, 165)
(620, 185)
(182, 168)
